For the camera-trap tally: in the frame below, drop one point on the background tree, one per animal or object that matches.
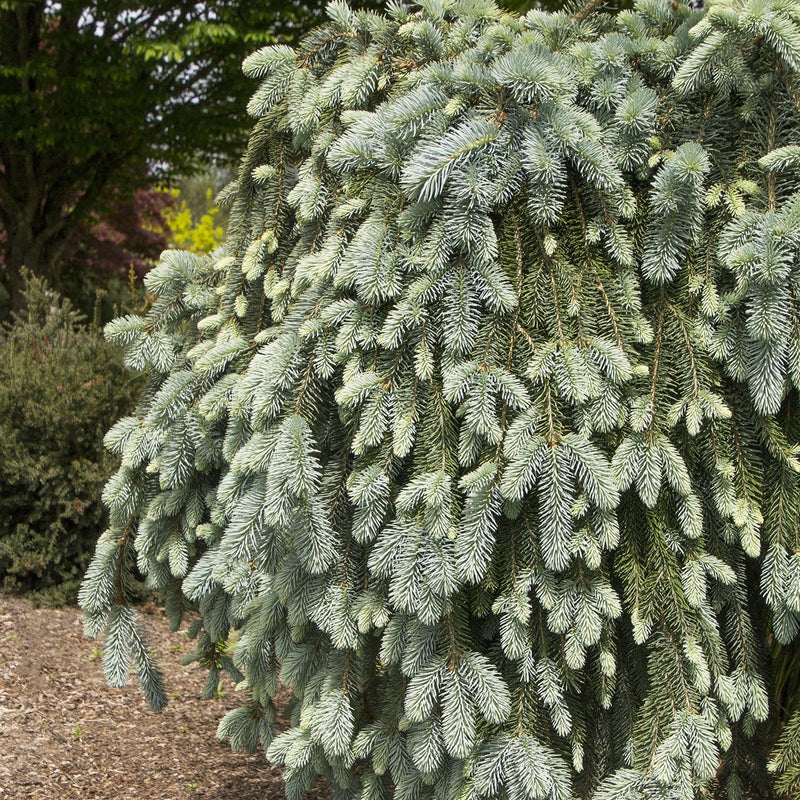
(109, 252)
(96, 95)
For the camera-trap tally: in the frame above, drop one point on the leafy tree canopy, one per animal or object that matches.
(90, 89)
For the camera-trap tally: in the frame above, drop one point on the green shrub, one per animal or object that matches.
(61, 385)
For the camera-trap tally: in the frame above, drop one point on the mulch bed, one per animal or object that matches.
(65, 734)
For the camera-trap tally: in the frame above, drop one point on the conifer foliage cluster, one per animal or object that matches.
(481, 430)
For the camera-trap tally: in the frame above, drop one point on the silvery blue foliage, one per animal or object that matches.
(482, 427)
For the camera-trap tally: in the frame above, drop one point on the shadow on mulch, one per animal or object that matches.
(65, 734)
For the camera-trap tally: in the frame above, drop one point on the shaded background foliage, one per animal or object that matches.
(112, 94)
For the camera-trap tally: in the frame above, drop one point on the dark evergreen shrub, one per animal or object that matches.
(61, 386)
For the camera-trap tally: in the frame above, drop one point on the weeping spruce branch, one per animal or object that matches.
(482, 428)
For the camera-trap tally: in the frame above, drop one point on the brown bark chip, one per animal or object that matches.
(64, 734)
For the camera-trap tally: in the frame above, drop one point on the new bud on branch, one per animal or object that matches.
(482, 427)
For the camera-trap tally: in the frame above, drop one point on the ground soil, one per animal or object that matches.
(65, 734)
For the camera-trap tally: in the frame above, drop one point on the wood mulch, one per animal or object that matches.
(65, 734)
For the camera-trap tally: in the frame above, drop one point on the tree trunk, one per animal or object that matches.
(32, 247)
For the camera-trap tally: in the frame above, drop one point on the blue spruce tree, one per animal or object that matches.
(483, 427)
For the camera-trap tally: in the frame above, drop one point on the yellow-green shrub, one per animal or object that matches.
(201, 237)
